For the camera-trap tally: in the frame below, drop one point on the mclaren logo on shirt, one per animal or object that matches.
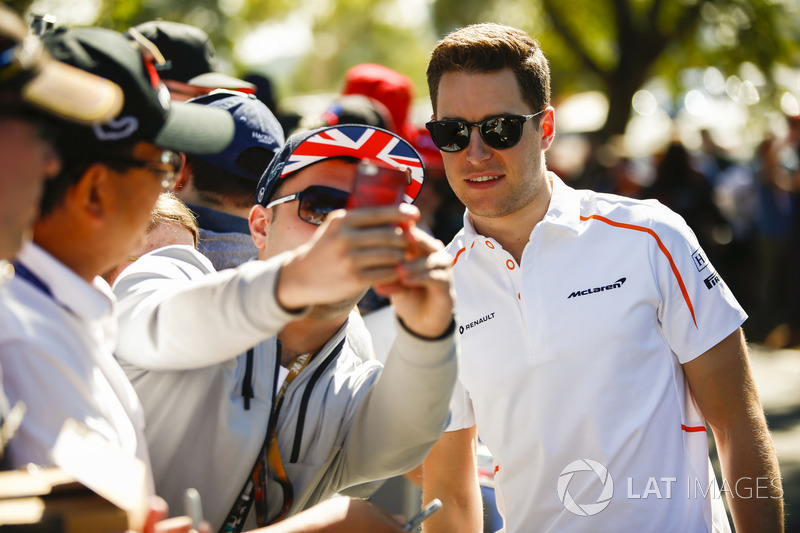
(616, 285)
(474, 323)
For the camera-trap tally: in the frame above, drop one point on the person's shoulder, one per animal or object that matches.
(356, 369)
(170, 261)
(625, 210)
(24, 307)
(31, 322)
(12, 316)
(179, 253)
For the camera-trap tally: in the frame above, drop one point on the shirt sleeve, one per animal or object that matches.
(406, 410)
(697, 309)
(461, 414)
(176, 313)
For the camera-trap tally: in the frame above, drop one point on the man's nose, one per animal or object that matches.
(477, 149)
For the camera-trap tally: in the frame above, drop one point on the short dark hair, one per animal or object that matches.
(218, 184)
(491, 47)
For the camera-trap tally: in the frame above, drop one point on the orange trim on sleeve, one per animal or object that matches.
(461, 251)
(663, 250)
(693, 429)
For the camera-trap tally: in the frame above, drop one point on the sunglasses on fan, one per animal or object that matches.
(499, 132)
(315, 202)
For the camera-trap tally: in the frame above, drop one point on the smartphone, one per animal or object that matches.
(378, 184)
(426, 512)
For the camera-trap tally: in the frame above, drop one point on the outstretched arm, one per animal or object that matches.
(723, 386)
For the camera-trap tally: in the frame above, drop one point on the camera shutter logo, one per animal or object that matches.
(585, 509)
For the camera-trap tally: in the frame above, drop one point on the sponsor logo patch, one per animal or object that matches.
(700, 261)
(474, 323)
(712, 280)
(616, 285)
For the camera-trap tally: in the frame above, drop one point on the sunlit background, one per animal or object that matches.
(727, 65)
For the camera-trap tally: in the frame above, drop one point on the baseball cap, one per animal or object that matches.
(190, 54)
(36, 80)
(147, 113)
(255, 127)
(387, 86)
(357, 109)
(349, 141)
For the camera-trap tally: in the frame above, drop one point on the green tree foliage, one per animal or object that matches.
(617, 45)
(364, 31)
(224, 21)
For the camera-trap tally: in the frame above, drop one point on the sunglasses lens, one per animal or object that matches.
(317, 202)
(501, 132)
(449, 135)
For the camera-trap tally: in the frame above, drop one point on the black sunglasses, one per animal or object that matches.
(316, 201)
(499, 132)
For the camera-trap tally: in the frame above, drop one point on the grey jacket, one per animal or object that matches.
(343, 422)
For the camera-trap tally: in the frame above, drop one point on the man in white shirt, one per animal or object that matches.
(28, 76)
(56, 339)
(597, 339)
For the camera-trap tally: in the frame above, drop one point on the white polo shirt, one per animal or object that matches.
(572, 365)
(56, 337)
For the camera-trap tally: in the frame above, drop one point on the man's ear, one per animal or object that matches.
(92, 194)
(260, 222)
(185, 175)
(548, 127)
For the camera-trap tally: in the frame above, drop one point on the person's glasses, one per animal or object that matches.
(168, 173)
(316, 202)
(499, 132)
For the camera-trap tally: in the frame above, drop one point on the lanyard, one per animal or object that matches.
(255, 488)
(272, 457)
(24, 273)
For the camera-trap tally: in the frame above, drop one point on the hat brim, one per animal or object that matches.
(217, 80)
(356, 141)
(73, 94)
(196, 129)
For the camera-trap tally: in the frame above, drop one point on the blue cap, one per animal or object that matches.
(349, 141)
(255, 126)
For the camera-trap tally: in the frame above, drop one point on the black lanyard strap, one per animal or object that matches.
(268, 460)
(25, 273)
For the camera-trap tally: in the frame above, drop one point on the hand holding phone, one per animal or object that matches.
(426, 512)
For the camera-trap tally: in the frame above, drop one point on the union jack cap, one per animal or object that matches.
(348, 140)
